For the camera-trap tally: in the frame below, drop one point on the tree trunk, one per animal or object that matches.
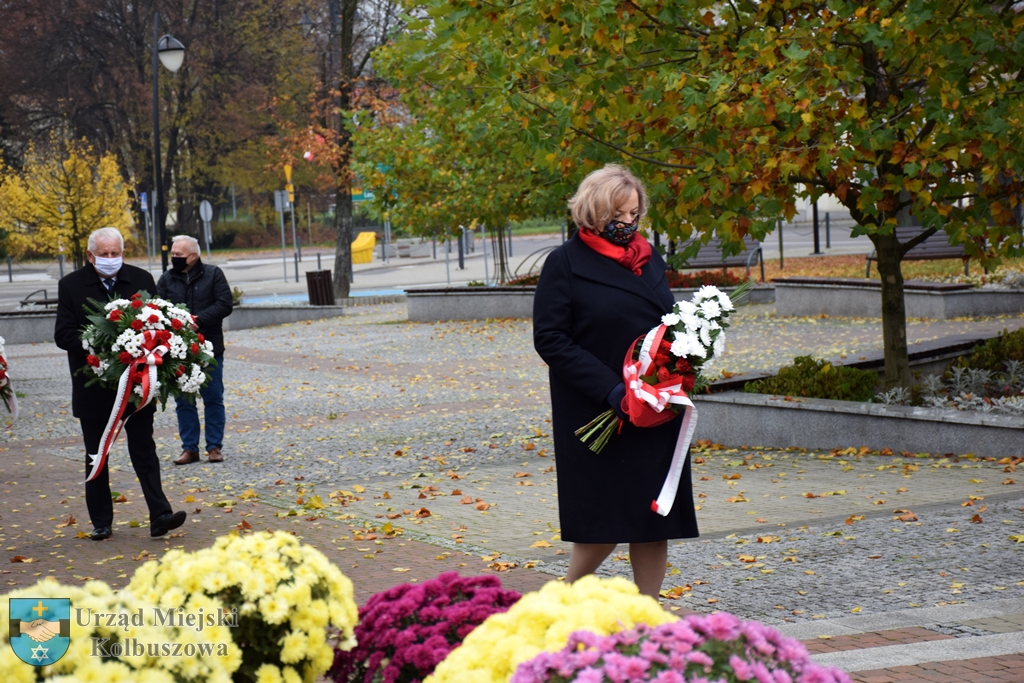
(894, 311)
(343, 245)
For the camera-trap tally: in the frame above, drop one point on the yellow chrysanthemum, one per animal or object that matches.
(268, 673)
(542, 621)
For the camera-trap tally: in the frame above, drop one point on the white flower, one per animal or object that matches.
(691, 321)
(706, 292)
(686, 308)
(116, 303)
(710, 308)
(687, 344)
(719, 346)
(670, 319)
(725, 302)
(705, 333)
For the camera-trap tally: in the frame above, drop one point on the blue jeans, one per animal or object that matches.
(213, 403)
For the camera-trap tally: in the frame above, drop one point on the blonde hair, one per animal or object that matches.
(601, 192)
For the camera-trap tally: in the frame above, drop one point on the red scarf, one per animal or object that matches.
(633, 256)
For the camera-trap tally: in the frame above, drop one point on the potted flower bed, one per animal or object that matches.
(975, 406)
(998, 293)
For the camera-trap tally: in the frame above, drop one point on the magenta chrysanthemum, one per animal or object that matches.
(717, 647)
(404, 632)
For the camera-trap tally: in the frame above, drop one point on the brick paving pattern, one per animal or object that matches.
(410, 413)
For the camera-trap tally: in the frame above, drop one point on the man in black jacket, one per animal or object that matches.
(205, 291)
(106, 277)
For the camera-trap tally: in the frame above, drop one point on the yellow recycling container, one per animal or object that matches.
(362, 247)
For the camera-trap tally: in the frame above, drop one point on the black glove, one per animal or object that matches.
(614, 399)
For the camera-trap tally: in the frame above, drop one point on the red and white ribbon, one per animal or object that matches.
(658, 397)
(154, 356)
(6, 382)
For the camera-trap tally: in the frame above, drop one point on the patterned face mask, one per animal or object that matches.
(619, 232)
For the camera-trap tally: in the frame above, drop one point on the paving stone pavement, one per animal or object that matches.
(403, 450)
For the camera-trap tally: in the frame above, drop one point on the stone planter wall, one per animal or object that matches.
(863, 299)
(29, 328)
(735, 418)
(481, 303)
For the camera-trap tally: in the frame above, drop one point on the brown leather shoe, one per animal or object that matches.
(187, 457)
(215, 456)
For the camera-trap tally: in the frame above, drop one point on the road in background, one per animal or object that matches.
(262, 279)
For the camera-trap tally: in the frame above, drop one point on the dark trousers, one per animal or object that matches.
(142, 450)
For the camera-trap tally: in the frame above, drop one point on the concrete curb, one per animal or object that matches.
(736, 418)
(890, 656)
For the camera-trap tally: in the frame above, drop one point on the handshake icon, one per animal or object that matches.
(40, 630)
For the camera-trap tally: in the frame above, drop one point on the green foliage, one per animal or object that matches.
(817, 379)
(993, 354)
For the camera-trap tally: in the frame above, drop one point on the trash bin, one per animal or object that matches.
(320, 287)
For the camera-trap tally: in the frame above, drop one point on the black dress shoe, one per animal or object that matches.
(165, 522)
(100, 532)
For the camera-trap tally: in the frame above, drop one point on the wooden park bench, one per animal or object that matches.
(934, 248)
(710, 256)
(45, 301)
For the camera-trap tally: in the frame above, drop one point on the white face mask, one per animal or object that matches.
(108, 266)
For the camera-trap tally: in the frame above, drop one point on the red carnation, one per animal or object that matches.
(180, 371)
(136, 304)
(153, 318)
(153, 306)
(688, 380)
(114, 315)
(136, 324)
(125, 357)
(662, 359)
(93, 360)
(137, 376)
(176, 324)
(163, 335)
(202, 339)
(683, 366)
(194, 348)
(664, 375)
(665, 346)
(136, 295)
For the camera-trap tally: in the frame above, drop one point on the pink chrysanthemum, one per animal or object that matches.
(717, 647)
(405, 632)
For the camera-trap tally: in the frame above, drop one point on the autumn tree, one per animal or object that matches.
(906, 110)
(87, 65)
(433, 165)
(64, 192)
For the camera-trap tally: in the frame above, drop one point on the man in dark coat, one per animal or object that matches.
(106, 277)
(203, 288)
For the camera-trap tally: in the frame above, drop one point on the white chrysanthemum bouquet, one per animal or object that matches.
(662, 368)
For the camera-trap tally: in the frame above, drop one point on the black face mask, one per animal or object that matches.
(179, 263)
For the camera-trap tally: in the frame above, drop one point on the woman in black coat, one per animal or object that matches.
(597, 293)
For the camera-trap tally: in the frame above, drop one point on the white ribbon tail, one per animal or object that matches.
(13, 401)
(97, 460)
(663, 505)
(645, 351)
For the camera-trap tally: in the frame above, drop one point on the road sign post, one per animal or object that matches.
(206, 213)
(280, 203)
(144, 207)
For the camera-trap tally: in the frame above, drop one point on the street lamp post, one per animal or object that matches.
(170, 53)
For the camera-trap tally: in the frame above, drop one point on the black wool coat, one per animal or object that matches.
(206, 293)
(587, 312)
(73, 291)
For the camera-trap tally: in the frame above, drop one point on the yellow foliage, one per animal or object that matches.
(65, 192)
